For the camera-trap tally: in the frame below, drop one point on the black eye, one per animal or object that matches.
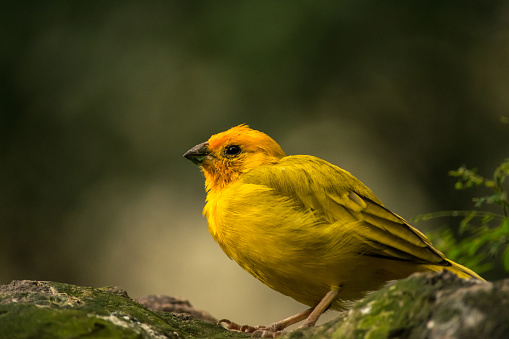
(233, 150)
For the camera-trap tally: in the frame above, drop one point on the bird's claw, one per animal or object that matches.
(256, 331)
(230, 325)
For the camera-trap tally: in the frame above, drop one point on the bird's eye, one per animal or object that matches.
(233, 150)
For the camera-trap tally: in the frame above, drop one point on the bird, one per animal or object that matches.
(305, 227)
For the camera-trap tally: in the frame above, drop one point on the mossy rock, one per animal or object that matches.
(425, 305)
(431, 305)
(43, 309)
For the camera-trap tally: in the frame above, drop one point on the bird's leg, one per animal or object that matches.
(320, 308)
(277, 327)
(269, 331)
(274, 330)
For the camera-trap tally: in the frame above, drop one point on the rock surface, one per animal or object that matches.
(43, 309)
(165, 303)
(431, 305)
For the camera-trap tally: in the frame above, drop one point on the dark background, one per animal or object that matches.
(99, 101)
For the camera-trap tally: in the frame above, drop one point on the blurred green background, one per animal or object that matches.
(99, 100)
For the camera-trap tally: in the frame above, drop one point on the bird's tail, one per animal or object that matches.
(462, 271)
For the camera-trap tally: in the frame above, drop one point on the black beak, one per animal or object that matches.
(198, 153)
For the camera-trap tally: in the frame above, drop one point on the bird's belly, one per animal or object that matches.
(307, 279)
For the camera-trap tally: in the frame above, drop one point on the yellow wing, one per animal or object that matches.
(337, 197)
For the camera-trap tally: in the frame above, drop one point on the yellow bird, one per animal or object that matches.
(304, 227)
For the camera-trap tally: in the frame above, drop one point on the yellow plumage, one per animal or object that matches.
(303, 226)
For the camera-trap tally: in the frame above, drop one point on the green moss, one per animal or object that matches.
(31, 309)
(430, 305)
(421, 306)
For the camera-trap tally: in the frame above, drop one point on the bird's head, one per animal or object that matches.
(227, 155)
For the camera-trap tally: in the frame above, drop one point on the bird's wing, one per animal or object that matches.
(337, 197)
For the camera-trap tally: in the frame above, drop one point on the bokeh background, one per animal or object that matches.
(99, 100)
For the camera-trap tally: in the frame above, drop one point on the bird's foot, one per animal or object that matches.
(260, 331)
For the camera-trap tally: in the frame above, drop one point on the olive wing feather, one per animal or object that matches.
(339, 198)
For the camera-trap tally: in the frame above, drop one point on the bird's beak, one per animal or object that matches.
(198, 153)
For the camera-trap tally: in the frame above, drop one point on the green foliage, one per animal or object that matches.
(482, 234)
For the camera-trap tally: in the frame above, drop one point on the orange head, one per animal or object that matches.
(226, 155)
